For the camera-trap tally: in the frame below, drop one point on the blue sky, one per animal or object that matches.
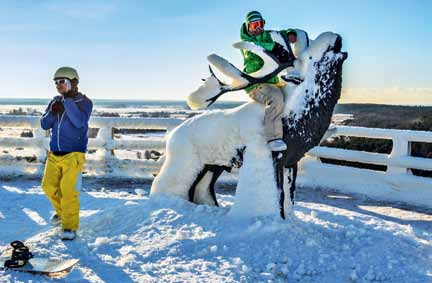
(158, 49)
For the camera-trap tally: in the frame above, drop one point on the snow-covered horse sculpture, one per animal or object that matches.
(202, 147)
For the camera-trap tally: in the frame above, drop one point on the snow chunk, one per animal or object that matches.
(213, 248)
(140, 192)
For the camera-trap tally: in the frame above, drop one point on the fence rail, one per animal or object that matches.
(396, 183)
(398, 161)
(106, 162)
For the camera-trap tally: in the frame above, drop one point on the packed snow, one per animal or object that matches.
(127, 237)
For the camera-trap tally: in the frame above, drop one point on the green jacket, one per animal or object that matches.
(253, 62)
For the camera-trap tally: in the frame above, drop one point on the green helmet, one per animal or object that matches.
(253, 16)
(66, 73)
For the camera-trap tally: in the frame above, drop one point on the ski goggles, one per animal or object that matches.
(256, 25)
(61, 81)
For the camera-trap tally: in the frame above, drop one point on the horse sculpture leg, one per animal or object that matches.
(285, 179)
(202, 190)
(279, 176)
(291, 180)
(290, 176)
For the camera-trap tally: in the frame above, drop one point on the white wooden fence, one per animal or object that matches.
(396, 183)
(104, 163)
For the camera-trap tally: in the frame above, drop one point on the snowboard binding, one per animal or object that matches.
(20, 255)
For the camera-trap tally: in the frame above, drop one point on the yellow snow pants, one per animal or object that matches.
(62, 184)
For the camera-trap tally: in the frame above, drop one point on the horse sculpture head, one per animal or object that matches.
(309, 105)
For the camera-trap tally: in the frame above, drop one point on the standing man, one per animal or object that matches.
(269, 94)
(67, 117)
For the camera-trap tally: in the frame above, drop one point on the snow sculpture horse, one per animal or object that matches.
(202, 147)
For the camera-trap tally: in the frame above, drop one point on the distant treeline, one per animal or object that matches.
(388, 116)
(383, 116)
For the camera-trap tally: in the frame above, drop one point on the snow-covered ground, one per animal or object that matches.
(126, 237)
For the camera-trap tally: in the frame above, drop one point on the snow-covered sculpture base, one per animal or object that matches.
(198, 150)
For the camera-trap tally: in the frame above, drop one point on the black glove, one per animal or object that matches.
(282, 54)
(57, 107)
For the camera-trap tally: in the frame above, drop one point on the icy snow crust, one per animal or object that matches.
(127, 237)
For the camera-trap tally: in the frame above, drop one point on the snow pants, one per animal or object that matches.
(62, 184)
(272, 97)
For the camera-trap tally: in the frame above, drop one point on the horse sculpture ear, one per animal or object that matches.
(201, 98)
(239, 78)
(214, 87)
(270, 65)
(227, 69)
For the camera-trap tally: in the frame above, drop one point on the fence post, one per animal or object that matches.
(41, 150)
(401, 147)
(107, 134)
